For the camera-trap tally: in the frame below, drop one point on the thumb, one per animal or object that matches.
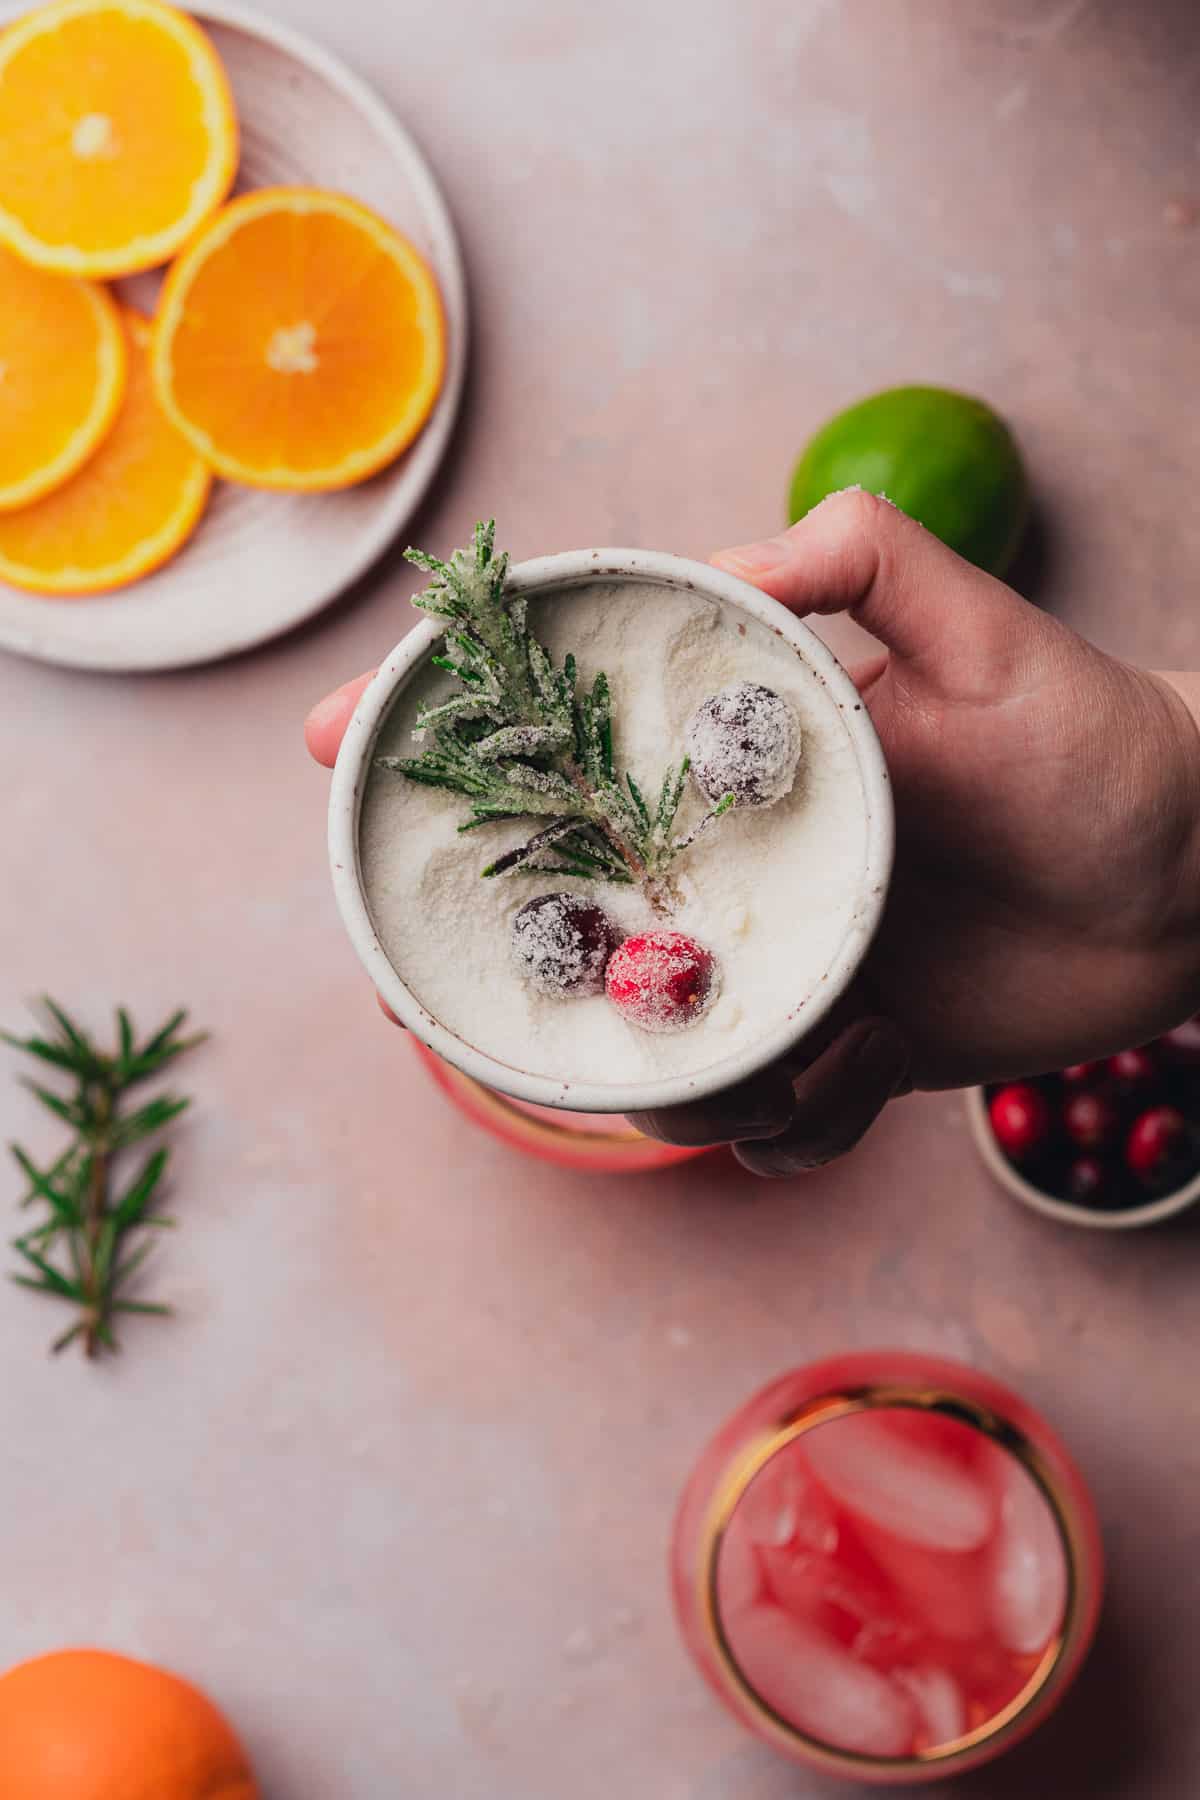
(858, 553)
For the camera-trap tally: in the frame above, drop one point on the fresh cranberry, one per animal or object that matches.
(1158, 1143)
(662, 980)
(1020, 1119)
(1080, 1074)
(1089, 1120)
(1088, 1181)
(1131, 1070)
(1183, 1044)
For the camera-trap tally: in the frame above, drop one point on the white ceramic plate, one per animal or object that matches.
(261, 562)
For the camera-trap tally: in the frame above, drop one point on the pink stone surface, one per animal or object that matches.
(396, 1484)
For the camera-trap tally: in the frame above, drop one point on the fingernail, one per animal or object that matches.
(754, 559)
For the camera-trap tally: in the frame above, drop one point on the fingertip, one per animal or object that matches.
(325, 726)
(768, 1164)
(838, 1098)
(322, 735)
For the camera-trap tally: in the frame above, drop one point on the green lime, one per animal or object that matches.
(943, 458)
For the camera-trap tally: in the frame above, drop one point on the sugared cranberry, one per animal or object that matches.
(744, 741)
(1080, 1074)
(1089, 1120)
(561, 944)
(1088, 1181)
(1157, 1148)
(1183, 1044)
(1020, 1119)
(662, 980)
(1131, 1070)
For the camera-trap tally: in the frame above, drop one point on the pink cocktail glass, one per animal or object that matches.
(888, 1566)
(602, 1143)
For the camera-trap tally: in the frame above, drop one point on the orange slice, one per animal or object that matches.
(62, 374)
(126, 510)
(117, 135)
(299, 341)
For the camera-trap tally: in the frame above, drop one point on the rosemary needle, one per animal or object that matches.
(522, 739)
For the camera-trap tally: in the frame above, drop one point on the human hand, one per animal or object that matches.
(1045, 907)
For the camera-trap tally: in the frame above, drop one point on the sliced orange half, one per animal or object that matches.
(299, 341)
(117, 135)
(62, 374)
(125, 512)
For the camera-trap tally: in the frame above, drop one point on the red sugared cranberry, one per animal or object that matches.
(1089, 1120)
(1080, 1074)
(1020, 1119)
(1183, 1044)
(1088, 1181)
(561, 944)
(1131, 1070)
(1157, 1145)
(662, 980)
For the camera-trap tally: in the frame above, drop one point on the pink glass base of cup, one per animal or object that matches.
(808, 1399)
(602, 1143)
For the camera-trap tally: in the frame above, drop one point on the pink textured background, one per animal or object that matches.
(396, 1483)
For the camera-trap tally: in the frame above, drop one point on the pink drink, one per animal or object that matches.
(888, 1566)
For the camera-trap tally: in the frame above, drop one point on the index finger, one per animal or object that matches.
(325, 726)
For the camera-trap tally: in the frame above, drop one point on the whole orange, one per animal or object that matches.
(88, 1725)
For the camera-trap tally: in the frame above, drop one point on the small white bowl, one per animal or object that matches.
(570, 569)
(1128, 1218)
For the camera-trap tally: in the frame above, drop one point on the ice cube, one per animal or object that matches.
(739, 1572)
(946, 1594)
(941, 1708)
(901, 1484)
(1028, 1564)
(783, 1504)
(840, 1601)
(818, 1686)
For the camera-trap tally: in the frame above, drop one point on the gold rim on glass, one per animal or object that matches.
(820, 1411)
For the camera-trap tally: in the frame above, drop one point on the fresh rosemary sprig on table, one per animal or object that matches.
(521, 738)
(79, 1251)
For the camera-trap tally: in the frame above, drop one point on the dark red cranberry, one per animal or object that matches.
(1157, 1148)
(744, 741)
(662, 980)
(1183, 1044)
(561, 944)
(1089, 1120)
(1080, 1074)
(1089, 1182)
(1020, 1119)
(1131, 1070)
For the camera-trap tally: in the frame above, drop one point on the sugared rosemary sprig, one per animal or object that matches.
(80, 1249)
(522, 739)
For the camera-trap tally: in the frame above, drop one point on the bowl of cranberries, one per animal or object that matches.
(1111, 1144)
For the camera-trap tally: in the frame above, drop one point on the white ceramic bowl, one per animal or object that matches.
(1128, 1218)
(570, 569)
